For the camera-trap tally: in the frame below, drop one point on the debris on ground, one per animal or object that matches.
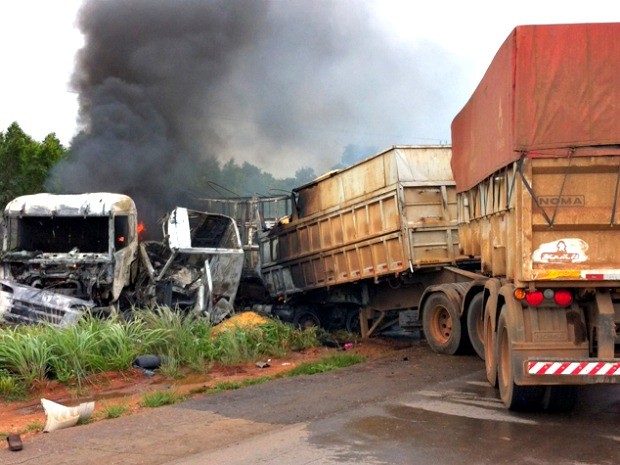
(148, 362)
(15, 442)
(60, 416)
(243, 320)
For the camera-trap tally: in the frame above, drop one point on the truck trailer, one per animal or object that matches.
(512, 251)
(364, 242)
(536, 161)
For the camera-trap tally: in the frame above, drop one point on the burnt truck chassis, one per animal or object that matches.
(66, 254)
(196, 269)
(70, 254)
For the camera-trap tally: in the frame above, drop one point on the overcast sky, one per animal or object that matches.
(38, 39)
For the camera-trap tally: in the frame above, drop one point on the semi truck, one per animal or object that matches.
(536, 161)
(511, 251)
(196, 269)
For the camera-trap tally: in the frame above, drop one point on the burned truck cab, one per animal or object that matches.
(66, 251)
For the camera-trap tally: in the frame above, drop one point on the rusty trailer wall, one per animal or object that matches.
(390, 214)
(558, 222)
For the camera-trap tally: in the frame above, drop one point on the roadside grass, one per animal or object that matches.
(113, 411)
(11, 388)
(34, 426)
(160, 398)
(32, 355)
(330, 363)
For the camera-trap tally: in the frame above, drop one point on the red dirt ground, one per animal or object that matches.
(28, 417)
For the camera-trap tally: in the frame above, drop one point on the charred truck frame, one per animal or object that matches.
(64, 253)
(197, 267)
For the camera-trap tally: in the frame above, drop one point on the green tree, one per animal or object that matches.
(25, 163)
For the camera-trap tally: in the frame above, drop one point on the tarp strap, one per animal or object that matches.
(510, 188)
(571, 151)
(531, 191)
(613, 209)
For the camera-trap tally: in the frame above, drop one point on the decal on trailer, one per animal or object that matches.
(570, 250)
(555, 274)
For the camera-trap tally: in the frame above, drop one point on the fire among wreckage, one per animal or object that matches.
(63, 255)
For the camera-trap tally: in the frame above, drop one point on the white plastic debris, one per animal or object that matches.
(60, 416)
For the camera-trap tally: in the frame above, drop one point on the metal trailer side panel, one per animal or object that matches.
(565, 230)
(345, 232)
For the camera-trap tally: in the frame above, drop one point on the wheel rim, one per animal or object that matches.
(441, 324)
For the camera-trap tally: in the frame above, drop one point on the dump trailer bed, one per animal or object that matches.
(358, 234)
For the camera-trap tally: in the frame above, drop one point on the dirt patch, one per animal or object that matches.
(126, 389)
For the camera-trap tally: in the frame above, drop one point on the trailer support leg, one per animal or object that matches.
(366, 314)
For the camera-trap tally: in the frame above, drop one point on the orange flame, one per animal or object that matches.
(141, 229)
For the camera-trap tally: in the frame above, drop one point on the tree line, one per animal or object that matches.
(25, 163)
(26, 166)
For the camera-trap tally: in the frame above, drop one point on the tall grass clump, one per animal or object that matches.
(271, 338)
(25, 353)
(11, 388)
(184, 339)
(32, 354)
(122, 341)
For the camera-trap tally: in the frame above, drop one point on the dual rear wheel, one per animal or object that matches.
(516, 397)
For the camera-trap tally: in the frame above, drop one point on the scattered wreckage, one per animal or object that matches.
(63, 255)
(197, 268)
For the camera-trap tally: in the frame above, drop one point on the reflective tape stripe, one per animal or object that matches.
(574, 368)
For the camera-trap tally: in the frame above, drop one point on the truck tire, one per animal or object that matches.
(441, 324)
(475, 326)
(518, 398)
(558, 399)
(490, 352)
(353, 321)
(306, 317)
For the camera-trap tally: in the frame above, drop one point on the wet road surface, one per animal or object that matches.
(414, 407)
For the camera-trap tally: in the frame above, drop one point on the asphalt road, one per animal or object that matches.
(414, 407)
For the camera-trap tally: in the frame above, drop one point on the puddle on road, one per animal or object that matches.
(472, 426)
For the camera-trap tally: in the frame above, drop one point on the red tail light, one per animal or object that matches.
(534, 298)
(563, 298)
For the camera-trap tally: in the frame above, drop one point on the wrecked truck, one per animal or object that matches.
(62, 254)
(196, 269)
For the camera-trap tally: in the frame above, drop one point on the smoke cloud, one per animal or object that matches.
(167, 86)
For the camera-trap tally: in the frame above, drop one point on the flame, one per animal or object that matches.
(140, 229)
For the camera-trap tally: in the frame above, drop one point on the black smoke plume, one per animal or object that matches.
(169, 90)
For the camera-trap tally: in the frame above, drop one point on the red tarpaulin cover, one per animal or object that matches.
(549, 88)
